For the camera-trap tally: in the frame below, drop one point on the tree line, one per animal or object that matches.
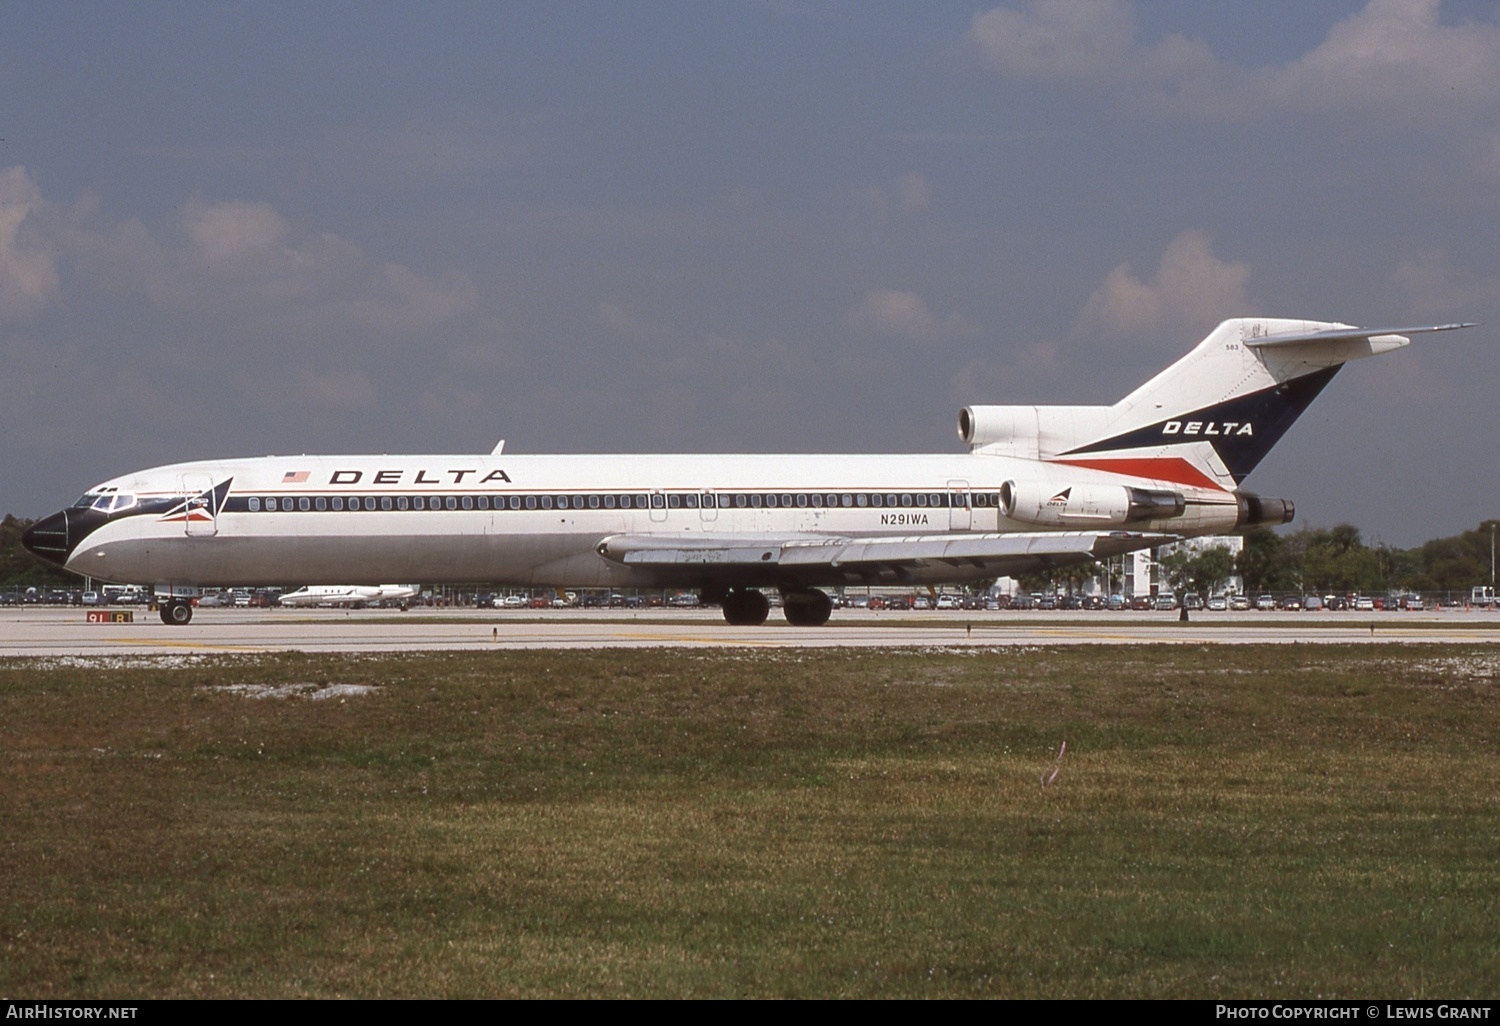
(1337, 561)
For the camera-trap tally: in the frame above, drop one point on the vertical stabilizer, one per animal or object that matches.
(1208, 419)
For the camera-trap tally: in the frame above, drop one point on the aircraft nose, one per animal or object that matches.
(48, 538)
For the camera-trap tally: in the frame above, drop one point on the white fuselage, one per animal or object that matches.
(539, 520)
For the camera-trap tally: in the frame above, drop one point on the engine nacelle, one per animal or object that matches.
(1086, 506)
(1255, 511)
(1031, 432)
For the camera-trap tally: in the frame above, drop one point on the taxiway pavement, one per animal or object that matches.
(65, 631)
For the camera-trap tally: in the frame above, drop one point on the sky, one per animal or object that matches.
(232, 230)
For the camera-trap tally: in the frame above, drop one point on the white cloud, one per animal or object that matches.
(1191, 290)
(905, 315)
(1056, 39)
(1392, 59)
(909, 194)
(246, 261)
(1396, 55)
(227, 232)
(28, 272)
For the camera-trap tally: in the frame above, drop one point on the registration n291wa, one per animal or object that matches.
(1040, 486)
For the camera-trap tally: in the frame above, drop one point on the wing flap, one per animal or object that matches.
(833, 560)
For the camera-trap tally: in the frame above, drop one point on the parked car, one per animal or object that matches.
(1265, 602)
(1217, 603)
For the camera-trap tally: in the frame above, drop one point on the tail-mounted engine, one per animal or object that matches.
(1085, 506)
(1256, 512)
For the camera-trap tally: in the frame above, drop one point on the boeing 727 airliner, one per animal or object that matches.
(1040, 486)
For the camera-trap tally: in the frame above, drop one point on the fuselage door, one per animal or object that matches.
(960, 515)
(201, 513)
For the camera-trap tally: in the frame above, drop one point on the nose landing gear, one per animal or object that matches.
(175, 612)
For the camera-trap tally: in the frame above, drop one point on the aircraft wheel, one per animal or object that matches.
(175, 614)
(809, 608)
(748, 608)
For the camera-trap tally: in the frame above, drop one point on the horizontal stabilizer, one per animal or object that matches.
(1344, 335)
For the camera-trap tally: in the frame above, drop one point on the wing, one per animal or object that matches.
(803, 561)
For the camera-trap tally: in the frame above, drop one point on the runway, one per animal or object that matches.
(65, 632)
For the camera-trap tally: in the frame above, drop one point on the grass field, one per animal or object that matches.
(1288, 821)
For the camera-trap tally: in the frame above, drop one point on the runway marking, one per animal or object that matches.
(689, 640)
(192, 645)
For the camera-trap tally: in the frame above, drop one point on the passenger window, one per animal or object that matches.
(254, 504)
(304, 504)
(320, 503)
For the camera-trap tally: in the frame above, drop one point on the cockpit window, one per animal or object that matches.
(105, 502)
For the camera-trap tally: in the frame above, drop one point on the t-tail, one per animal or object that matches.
(1206, 421)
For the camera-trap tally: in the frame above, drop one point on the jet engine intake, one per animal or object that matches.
(1090, 505)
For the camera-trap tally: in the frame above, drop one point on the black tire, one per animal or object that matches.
(809, 608)
(176, 614)
(747, 608)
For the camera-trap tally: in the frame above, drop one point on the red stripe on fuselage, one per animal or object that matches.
(1162, 468)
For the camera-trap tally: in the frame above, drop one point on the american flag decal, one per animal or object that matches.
(294, 477)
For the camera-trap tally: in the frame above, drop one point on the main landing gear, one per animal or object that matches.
(745, 607)
(175, 612)
(749, 607)
(806, 607)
